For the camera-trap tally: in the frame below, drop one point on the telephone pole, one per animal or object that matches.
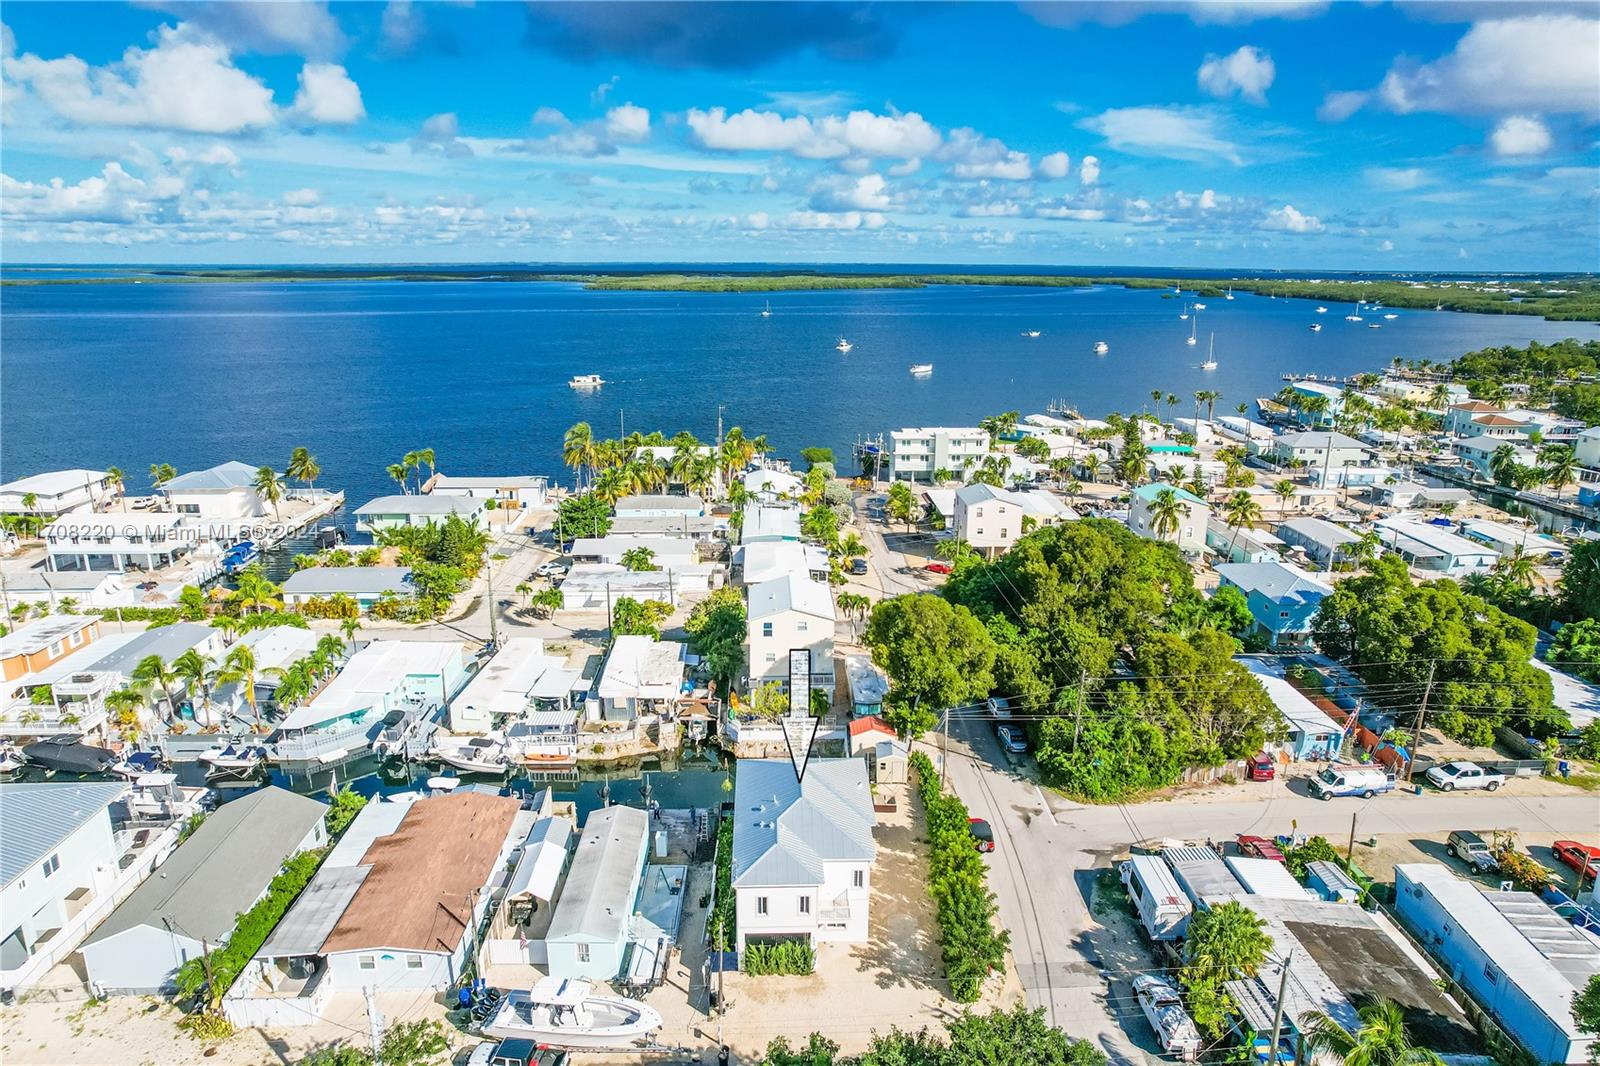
(1416, 733)
(1077, 716)
(944, 751)
(1277, 1010)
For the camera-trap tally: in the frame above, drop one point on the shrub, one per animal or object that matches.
(1317, 849)
(971, 946)
(785, 958)
(343, 806)
(1522, 870)
(721, 924)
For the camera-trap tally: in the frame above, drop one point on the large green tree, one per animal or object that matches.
(1381, 1039)
(937, 656)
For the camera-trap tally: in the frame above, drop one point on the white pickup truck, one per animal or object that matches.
(1453, 775)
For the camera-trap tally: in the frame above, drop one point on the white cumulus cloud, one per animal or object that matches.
(1055, 165)
(1248, 71)
(113, 196)
(328, 95)
(628, 123)
(1169, 132)
(1520, 135)
(1289, 220)
(892, 136)
(1089, 170)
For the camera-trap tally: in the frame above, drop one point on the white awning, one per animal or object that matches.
(539, 869)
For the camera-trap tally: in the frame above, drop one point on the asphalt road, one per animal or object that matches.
(1049, 848)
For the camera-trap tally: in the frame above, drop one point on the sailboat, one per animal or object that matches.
(766, 312)
(1211, 359)
(1185, 316)
(1354, 316)
(1316, 327)
(1229, 294)
(1101, 347)
(1030, 333)
(843, 345)
(1192, 340)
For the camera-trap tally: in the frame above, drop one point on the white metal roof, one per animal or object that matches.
(763, 521)
(374, 672)
(596, 902)
(791, 592)
(868, 682)
(642, 667)
(783, 834)
(1296, 709)
(506, 683)
(37, 817)
(544, 856)
(1266, 877)
(768, 559)
(52, 482)
(40, 633)
(220, 478)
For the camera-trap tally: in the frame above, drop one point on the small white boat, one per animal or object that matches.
(1101, 347)
(1185, 316)
(1229, 294)
(1438, 307)
(921, 369)
(1163, 1008)
(11, 759)
(1355, 315)
(1211, 358)
(1316, 327)
(565, 1013)
(1030, 333)
(843, 345)
(1391, 316)
(1321, 310)
(1374, 325)
(1177, 291)
(441, 783)
(474, 755)
(766, 312)
(1192, 340)
(1199, 307)
(586, 381)
(233, 757)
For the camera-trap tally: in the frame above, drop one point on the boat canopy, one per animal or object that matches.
(559, 992)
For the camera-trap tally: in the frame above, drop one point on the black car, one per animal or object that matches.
(858, 566)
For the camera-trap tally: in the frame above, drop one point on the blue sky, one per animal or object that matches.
(1434, 136)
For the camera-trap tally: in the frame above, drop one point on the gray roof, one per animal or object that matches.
(1318, 531)
(661, 502)
(169, 642)
(351, 580)
(978, 492)
(1274, 580)
(231, 475)
(430, 504)
(35, 818)
(782, 834)
(1318, 438)
(316, 911)
(1204, 876)
(597, 900)
(222, 869)
(791, 592)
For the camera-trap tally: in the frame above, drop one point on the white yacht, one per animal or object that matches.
(1192, 340)
(766, 312)
(1199, 307)
(565, 1013)
(236, 757)
(1316, 327)
(1355, 315)
(1101, 347)
(586, 381)
(921, 370)
(1211, 357)
(473, 755)
(1374, 325)
(1321, 310)
(843, 345)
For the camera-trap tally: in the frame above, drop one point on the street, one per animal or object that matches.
(1048, 849)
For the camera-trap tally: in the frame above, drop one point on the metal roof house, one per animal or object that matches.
(1203, 876)
(588, 935)
(190, 904)
(802, 854)
(769, 522)
(1322, 540)
(1515, 955)
(223, 491)
(394, 512)
(1435, 549)
(786, 614)
(1312, 734)
(364, 584)
(1283, 599)
(56, 492)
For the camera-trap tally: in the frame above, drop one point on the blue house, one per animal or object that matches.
(588, 935)
(1283, 599)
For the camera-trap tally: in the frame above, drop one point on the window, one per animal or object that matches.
(805, 904)
(861, 879)
(55, 649)
(801, 626)
(413, 962)
(366, 962)
(51, 865)
(761, 904)
(980, 532)
(583, 952)
(1491, 973)
(772, 656)
(766, 629)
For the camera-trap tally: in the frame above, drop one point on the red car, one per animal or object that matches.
(938, 568)
(1259, 847)
(1262, 768)
(982, 834)
(1585, 857)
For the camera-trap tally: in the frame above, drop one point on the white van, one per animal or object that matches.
(1163, 908)
(1363, 781)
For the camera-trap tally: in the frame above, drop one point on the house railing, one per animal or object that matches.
(310, 746)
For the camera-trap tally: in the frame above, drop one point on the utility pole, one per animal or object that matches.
(944, 756)
(1350, 852)
(1416, 733)
(488, 571)
(1277, 1010)
(1077, 716)
(205, 960)
(374, 1022)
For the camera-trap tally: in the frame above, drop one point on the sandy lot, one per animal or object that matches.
(1394, 849)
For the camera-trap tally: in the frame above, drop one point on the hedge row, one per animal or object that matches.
(972, 945)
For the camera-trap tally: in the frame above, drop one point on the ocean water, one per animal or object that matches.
(362, 372)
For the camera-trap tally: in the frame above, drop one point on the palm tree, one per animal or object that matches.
(1091, 466)
(1440, 396)
(425, 455)
(256, 593)
(194, 668)
(350, 627)
(118, 479)
(1503, 464)
(239, 668)
(577, 448)
(851, 547)
(399, 472)
(1381, 1040)
(269, 486)
(331, 647)
(611, 485)
(1285, 491)
(1241, 510)
(303, 467)
(1560, 466)
(161, 473)
(151, 672)
(1517, 569)
(124, 706)
(1167, 512)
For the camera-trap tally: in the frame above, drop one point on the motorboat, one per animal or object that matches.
(234, 757)
(1374, 325)
(585, 381)
(1101, 347)
(766, 312)
(1199, 307)
(1163, 1008)
(1031, 333)
(1391, 316)
(1321, 310)
(240, 556)
(11, 759)
(139, 763)
(843, 345)
(474, 755)
(1211, 358)
(921, 370)
(1316, 327)
(330, 537)
(566, 1013)
(67, 753)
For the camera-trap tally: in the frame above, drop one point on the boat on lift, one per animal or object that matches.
(566, 1013)
(234, 757)
(473, 755)
(1101, 347)
(240, 556)
(67, 753)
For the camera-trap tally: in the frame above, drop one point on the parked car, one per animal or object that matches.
(938, 568)
(1453, 775)
(1163, 1008)
(552, 568)
(982, 834)
(1363, 781)
(998, 707)
(858, 566)
(1471, 849)
(1262, 767)
(514, 1053)
(1011, 739)
(1259, 847)
(1584, 857)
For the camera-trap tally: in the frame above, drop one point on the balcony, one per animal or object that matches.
(322, 745)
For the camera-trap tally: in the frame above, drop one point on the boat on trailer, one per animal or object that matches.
(566, 1013)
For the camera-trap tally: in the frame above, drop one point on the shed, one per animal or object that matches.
(1332, 883)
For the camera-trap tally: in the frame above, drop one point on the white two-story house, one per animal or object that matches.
(787, 614)
(988, 518)
(115, 543)
(56, 492)
(223, 492)
(917, 454)
(802, 853)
